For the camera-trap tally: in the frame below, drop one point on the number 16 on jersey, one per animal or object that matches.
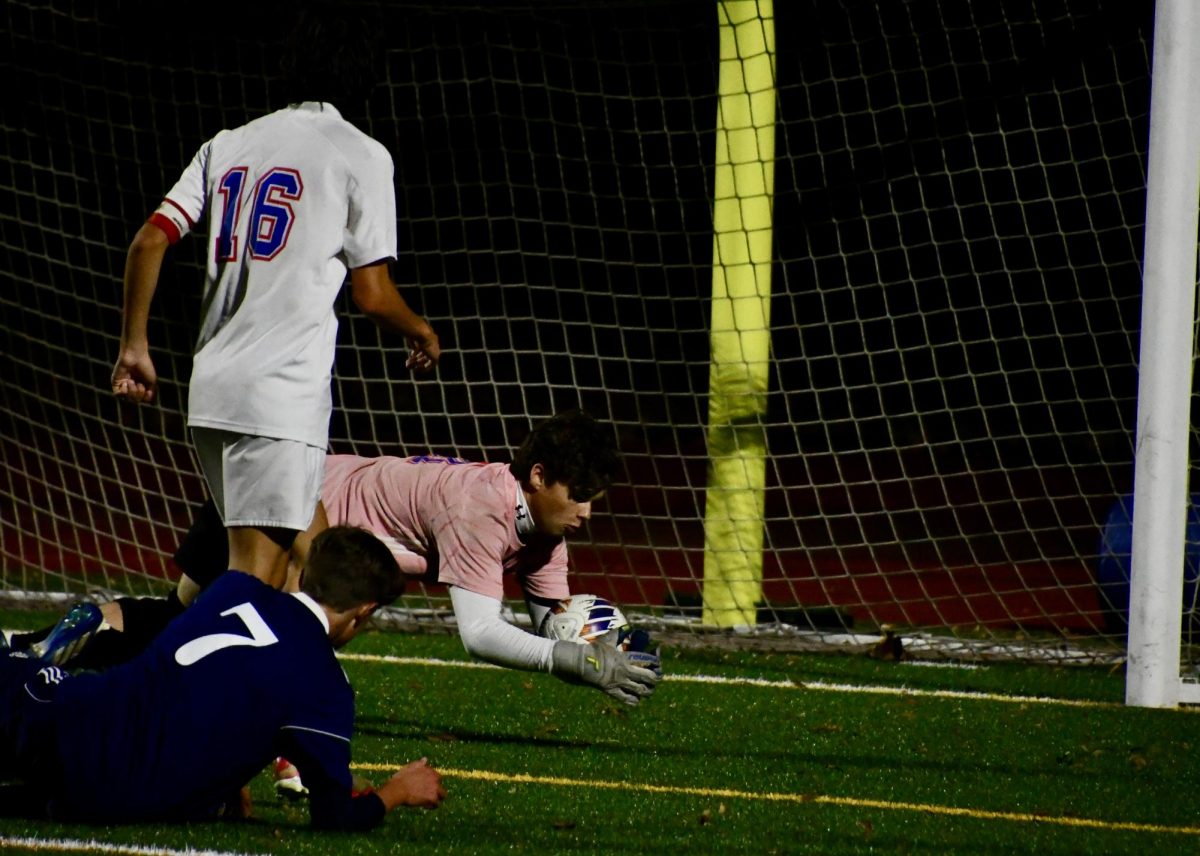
(271, 214)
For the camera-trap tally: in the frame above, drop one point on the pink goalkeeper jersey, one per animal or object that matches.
(293, 199)
(445, 516)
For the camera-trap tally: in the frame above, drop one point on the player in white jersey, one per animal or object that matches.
(293, 201)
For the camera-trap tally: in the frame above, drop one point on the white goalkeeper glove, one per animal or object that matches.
(603, 666)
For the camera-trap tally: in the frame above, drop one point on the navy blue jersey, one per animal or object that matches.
(244, 675)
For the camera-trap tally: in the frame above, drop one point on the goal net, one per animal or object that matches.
(957, 217)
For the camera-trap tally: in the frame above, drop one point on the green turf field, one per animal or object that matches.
(736, 753)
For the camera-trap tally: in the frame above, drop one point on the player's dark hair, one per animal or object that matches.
(330, 55)
(573, 448)
(348, 567)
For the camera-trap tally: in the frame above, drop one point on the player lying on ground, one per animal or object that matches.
(466, 525)
(154, 739)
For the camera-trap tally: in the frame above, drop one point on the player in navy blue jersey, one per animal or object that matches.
(246, 674)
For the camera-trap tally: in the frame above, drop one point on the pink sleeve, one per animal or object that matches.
(474, 529)
(470, 540)
(544, 575)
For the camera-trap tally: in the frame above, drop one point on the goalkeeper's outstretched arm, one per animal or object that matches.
(487, 636)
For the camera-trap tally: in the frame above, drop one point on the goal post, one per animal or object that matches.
(1166, 363)
(741, 314)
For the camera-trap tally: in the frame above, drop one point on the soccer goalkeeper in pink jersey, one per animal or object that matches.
(466, 525)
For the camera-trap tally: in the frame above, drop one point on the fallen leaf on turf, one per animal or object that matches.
(564, 824)
(889, 649)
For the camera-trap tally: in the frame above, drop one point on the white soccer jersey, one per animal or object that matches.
(293, 200)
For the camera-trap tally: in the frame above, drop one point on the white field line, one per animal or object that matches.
(75, 845)
(813, 686)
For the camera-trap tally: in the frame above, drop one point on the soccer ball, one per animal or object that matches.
(584, 618)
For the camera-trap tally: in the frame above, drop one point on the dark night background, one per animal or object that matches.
(959, 203)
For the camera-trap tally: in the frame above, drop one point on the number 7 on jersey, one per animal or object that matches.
(260, 636)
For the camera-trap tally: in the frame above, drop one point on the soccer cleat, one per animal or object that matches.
(70, 634)
(287, 780)
(360, 786)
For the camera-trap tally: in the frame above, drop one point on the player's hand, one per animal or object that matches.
(134, 377)
(415, 784)
(605, 667)
(424, 351)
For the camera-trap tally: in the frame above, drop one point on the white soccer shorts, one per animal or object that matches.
(260, 481)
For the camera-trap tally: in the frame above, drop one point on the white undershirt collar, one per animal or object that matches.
(313, 607)
(525, 524)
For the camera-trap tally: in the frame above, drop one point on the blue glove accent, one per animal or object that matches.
(647, 660)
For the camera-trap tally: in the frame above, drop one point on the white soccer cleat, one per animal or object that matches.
(287, 780)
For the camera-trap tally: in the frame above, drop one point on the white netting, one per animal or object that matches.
(959, 199)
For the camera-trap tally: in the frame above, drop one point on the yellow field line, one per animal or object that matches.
(812, 799)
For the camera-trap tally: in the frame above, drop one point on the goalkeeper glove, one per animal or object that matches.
(603, 666)
(636, 645)
(647, 660)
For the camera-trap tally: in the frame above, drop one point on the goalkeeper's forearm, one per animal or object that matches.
(487, 636)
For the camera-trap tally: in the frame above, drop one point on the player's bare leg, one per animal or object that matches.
(298, 554)
(186, 589)
(114, 616)
(256, 552)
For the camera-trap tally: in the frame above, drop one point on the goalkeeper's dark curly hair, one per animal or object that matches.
(573, 448)
(348, 567)
(330, 55)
